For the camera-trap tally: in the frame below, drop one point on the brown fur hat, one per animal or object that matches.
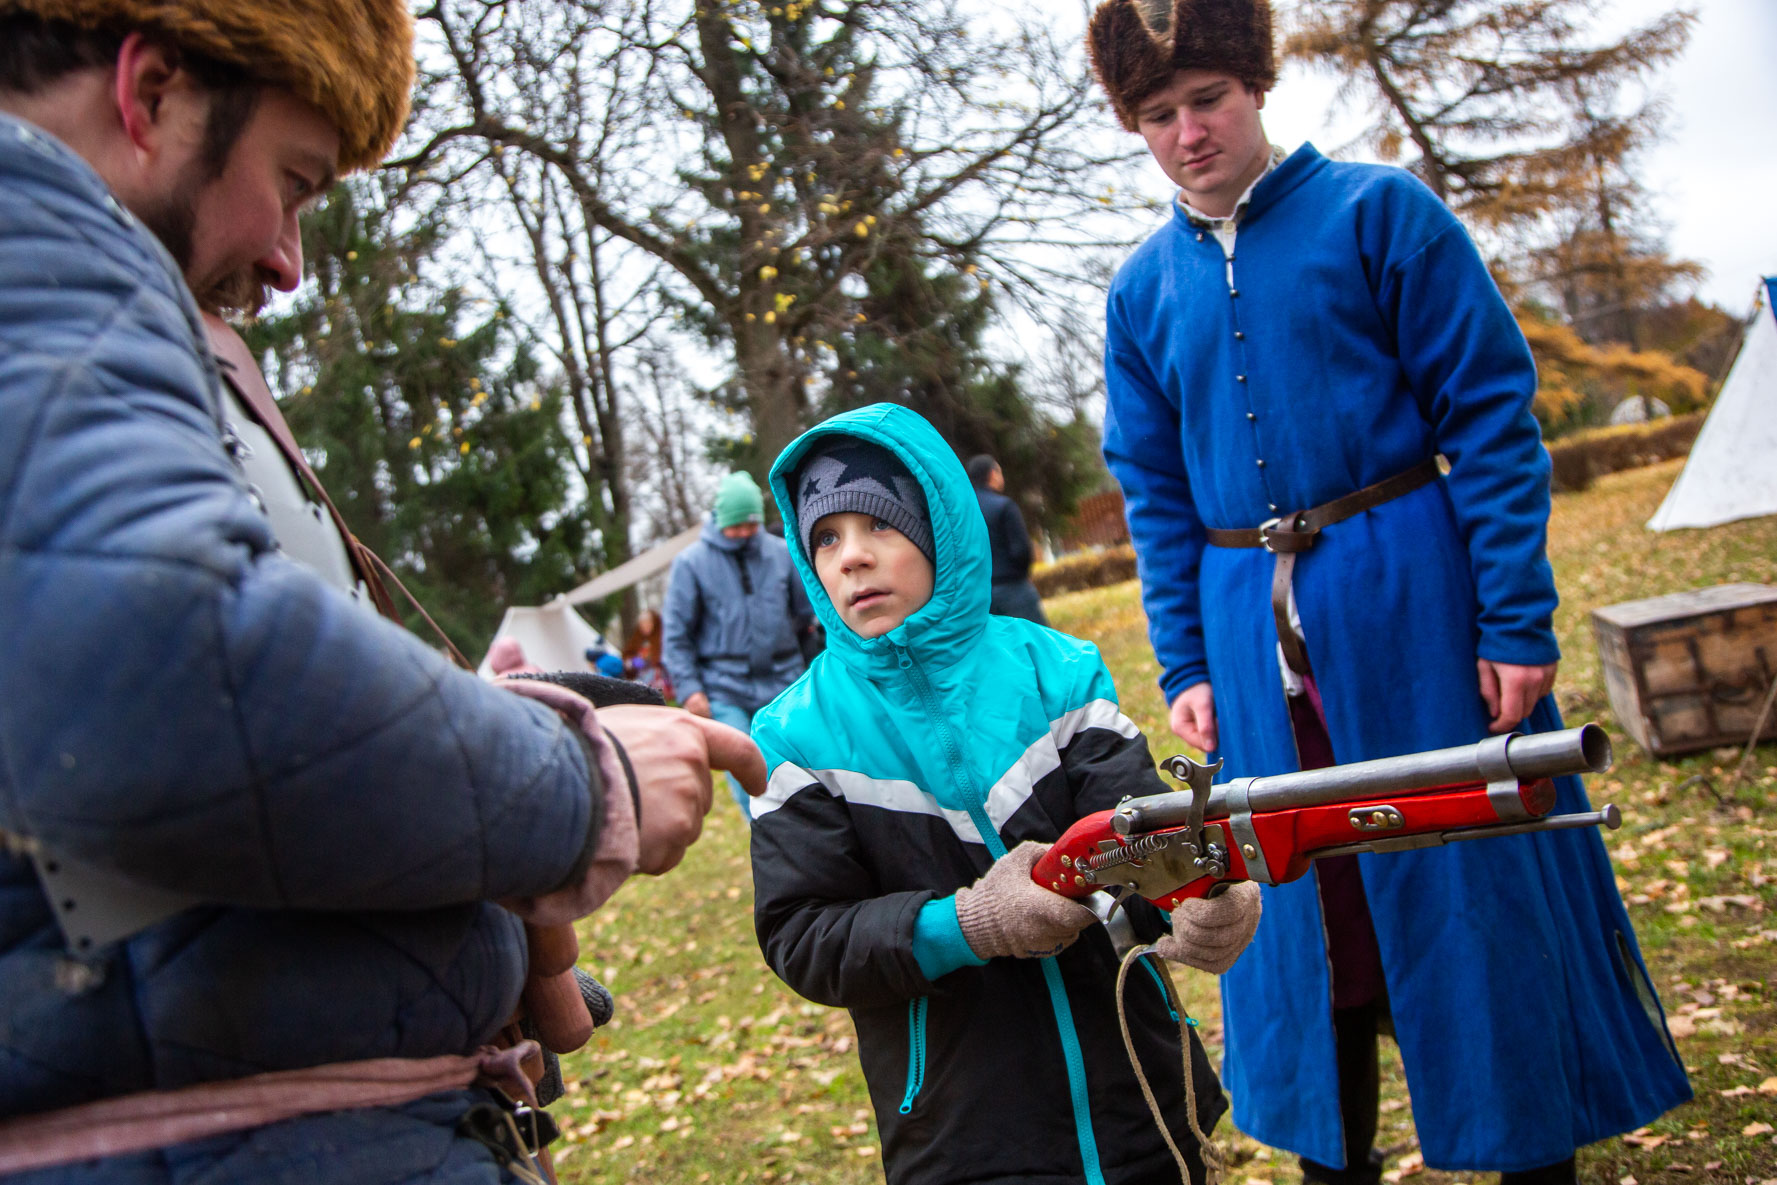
(353, 59)
(1138, 45)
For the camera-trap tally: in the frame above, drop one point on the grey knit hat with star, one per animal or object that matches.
(844, 474)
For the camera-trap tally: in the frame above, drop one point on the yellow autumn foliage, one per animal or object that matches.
(1571, 372)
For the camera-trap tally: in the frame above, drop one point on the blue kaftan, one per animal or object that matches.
(1355, 333)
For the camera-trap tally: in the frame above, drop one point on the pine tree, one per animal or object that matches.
(1533, 134)
(1502, 107)
(426, 416)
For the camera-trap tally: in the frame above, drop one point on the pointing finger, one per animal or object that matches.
(734, 751)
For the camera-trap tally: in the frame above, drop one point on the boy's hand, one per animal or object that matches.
(1005, 913)
(1209, 934)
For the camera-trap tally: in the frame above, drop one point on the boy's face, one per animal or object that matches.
(873, 574)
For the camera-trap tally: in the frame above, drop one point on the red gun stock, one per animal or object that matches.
(1187, 843)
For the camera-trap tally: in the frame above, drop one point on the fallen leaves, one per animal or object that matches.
(1723, 902)
(1410, 1165)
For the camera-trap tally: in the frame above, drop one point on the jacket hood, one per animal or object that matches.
(947, 625)
(712, 535)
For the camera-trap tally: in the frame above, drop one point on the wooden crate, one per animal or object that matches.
(1690, 670)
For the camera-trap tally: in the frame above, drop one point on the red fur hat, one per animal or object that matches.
(1138, 45)
(351, 58)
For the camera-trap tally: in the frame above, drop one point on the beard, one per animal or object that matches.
(241, 293)
(173, 220)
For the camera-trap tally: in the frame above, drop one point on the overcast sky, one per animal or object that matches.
(1716, 177)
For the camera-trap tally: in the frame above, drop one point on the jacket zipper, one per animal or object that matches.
(1160, 986)
(1064, 1017)
(916, 1051)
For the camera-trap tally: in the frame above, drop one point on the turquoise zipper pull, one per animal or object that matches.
(916, 1051)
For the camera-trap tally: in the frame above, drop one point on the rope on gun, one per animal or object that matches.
(1214, 1163)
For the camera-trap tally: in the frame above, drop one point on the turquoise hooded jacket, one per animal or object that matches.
(901, 767)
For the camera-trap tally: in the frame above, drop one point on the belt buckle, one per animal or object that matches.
(1265, 529)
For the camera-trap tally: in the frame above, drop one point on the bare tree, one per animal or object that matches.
(763, 154)
(671, 470)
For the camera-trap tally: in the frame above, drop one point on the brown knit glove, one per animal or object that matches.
(1005, 913)
(1209, 934)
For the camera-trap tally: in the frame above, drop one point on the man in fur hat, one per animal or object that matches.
(1285, 358)
(251, 830)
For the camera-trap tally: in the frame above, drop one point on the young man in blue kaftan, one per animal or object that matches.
(1290, 352)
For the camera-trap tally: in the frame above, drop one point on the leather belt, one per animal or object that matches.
(1288, 535)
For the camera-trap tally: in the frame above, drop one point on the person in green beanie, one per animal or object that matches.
(734, 613)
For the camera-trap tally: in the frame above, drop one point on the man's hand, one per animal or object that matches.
(698, 704)
(1194, 717)
(1512, 691)
(672, 753)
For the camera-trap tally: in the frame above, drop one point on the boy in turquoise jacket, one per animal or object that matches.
(917, 771)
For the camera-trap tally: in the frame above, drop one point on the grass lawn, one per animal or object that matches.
(714, 1071)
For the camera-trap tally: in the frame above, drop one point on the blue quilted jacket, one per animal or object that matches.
(187, 708)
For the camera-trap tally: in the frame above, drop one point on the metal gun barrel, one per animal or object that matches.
(1542, 755)
(1585, 749)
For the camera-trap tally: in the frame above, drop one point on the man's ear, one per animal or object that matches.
(147, 75)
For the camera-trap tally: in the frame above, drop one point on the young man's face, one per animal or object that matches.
(741, 531)
(1204, 131)
(874, 575)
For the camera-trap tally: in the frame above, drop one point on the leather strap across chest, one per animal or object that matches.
(241, 372)
(1288, 535)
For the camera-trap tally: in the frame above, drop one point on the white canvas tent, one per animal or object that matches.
(554, 636)
(632, 571)
(1732, 470)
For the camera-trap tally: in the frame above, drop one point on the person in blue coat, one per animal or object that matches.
(735, 614)
(1285, 359)
(285, 836)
